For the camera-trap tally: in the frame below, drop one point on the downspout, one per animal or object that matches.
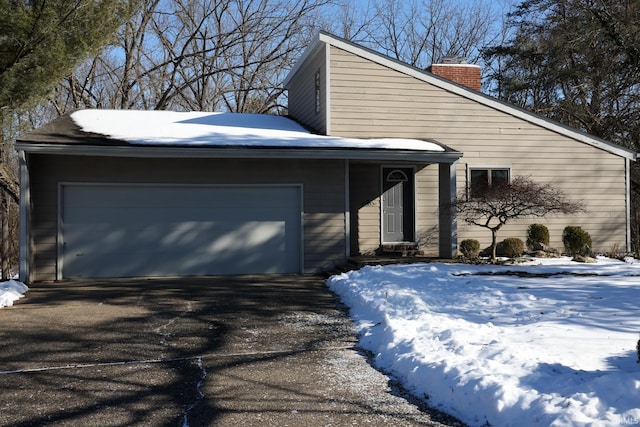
(25, 217)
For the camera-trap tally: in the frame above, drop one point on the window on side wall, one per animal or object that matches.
(480, 178)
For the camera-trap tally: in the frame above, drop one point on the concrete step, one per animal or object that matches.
(408, 249)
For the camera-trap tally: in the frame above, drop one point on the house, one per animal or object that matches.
(375, 149)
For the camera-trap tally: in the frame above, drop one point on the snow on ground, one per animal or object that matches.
(10, 291)
(545, 343)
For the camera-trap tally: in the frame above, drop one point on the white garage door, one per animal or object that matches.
(151, 230)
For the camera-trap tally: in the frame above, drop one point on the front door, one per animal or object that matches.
(397, 205)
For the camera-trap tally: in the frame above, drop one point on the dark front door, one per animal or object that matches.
(397, 205)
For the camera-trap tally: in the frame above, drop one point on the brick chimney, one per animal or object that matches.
(457, 70)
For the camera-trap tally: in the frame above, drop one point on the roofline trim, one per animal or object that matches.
(312, 49)
(324, 37)
(146, 151)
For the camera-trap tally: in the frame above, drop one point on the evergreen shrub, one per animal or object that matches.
(537, 233)
(470, 248)
(576, 241)
(513, 247)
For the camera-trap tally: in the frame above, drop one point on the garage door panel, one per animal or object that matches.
(139, 217)
(176, 196)
(268, 257)
(198, 237)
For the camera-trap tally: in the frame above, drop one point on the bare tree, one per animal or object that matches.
(233, 54)
(492, 207)
(419, 32)
(351, 20)
(9, 192)
(197, 55)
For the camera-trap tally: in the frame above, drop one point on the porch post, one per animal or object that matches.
(447, 223)
(25, 217)
(627, 167)
(347, 211)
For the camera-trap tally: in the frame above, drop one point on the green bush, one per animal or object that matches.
(537, 233)
(576, 240)
(513, 247)
(470, 248)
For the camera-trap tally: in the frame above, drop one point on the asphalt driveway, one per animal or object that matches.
(260, 350)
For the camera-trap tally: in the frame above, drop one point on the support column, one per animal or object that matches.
(25, 217)
(347, 211)
(447, 222)
(627, 167)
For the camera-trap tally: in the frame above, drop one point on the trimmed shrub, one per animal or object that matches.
(513, 247)
(470, 248)
(576, 241)
(536, 234)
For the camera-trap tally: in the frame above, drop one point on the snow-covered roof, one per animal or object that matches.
(198, 129)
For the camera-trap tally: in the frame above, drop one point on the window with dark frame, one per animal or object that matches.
(482, 178)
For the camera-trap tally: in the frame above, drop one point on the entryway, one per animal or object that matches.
(397, 205)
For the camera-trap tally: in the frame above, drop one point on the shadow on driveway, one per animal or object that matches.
(251, 350)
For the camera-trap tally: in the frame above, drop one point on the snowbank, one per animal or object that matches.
(11, 291)
(549, 343)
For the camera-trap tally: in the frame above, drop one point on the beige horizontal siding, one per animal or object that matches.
(371, 100)
(584, 173)
(322, 181)
(301, 102)
(427, 209)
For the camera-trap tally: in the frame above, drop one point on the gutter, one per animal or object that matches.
(146, 151)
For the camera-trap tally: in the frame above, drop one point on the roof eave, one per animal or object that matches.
(145, 151)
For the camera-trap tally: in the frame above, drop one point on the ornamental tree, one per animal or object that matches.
(493, 206)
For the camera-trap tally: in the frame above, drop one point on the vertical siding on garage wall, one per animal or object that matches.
(44, 220)
(302, 93)
(371, 100)
(324, 219)
(323, 182)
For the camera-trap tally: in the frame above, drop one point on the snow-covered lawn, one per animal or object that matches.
(546, 343)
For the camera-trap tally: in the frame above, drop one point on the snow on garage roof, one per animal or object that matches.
(199, 129)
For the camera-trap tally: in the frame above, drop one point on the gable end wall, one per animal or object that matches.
(302, 93)
(371, 100)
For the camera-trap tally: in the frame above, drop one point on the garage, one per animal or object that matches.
(131, 230)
